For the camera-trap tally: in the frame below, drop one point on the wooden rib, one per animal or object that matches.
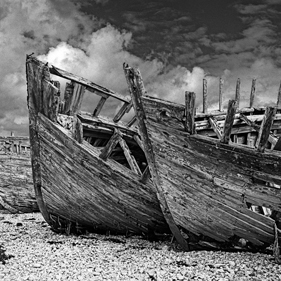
(229, 121)
(129, 156)
(265, 128)
(237, 93)
(252, 124)
(220, 94)
(73, 97)
(216, 128)
(190, 112)
(253, 89)
(145, 175)
(99, 106)
(124, 109)
(132, 121)
(138, 141)
(148, 148)
(205, 95)
(77, 130)
(279, 97)
(100, 90)
(110, 146)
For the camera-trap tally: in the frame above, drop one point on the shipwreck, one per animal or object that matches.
(210, 179)
(16, 185)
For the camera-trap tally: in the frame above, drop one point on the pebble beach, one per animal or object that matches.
(31, 251)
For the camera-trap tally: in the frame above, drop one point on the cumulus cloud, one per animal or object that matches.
(32, 26)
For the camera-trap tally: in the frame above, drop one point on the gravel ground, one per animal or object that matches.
(36, 253)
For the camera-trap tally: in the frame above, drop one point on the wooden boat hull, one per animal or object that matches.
(208, 186)
(16, 185)
(75, 187)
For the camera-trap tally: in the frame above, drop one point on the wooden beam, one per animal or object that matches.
(129, 156)
(99, 106)
(132, 121)
(279, 97)
(110, 146)
(252, 96)
(265, 128)
(237, 93)
(205, 93)
(255, 126)
(124, 109)
(229, 121)
(216, 128)
(148, 148)
(77, 130)
(73, 97)
(190, 112)
(93, 87)
(220, 94)
(145, 175)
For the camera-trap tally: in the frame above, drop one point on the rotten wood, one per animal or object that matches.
(77, 132)
(137, 103)
(252, 95)
(99, 106)
(190, 112)
(124, 109)
(107, 150)
(145, 175)
(229, 121)
(265, 128)
(220, 93)
(237, 93)
(205, 93)
(216, 128)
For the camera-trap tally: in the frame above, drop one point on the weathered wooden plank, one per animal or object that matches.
(255, 126)
(216, 128)
(137, 103)
(129, 156)
(252, 95)
(77, 132)
(229, 121)
(205, 96)
(124, 109)
(265, 128)
(110, 146)
(237, 93)
(145, 175)
(190, 112)
(99, 106)
(93, 87)
(132, 121)
(220, 93)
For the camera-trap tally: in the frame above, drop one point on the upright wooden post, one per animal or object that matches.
(265, 128)
(229, 119)
(205, 95)
(220, 94)
(190, 112)
(253, 89)
(279, 97)
(237, 93)
(149, 153)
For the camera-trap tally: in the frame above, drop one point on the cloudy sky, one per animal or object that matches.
(174, 43)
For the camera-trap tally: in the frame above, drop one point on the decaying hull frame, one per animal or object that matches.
(87, 171)
(211, 184)
(16, 185)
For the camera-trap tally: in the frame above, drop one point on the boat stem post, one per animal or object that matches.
(190, 112)
(136, 93)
